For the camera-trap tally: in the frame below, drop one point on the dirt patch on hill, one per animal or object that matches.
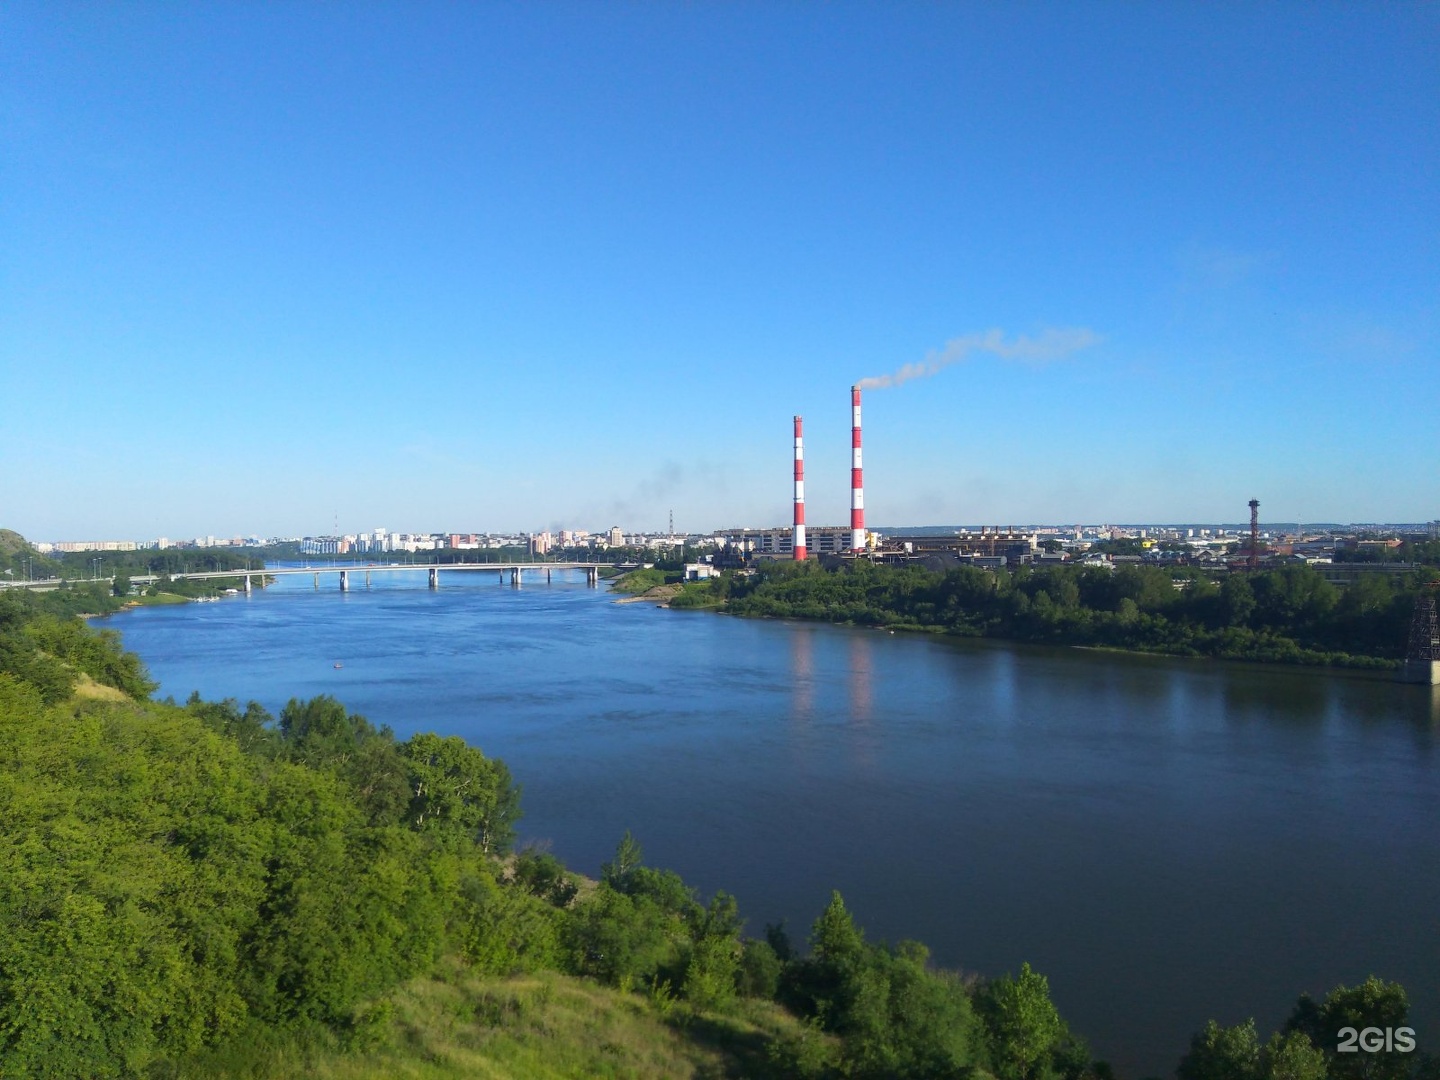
(660, 595)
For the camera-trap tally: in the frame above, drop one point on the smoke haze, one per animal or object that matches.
(1053, 344)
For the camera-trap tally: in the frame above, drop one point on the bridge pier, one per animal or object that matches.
(434, 577)
(247, 584)
(592, 576)
(516, 577)
(1424, 672)
(367, 579)
(317, 581)
(344, 580)
(547, 575)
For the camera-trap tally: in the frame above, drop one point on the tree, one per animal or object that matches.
(1290, 1056)
(457, 790)
(541, 874)
(628, 857)
(835, 938)
(759, 970)
(1374, 1003)
(1236, 601)
(1022, 1023)
(1220, 1053)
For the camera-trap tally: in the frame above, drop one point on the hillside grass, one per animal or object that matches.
(458, 1024)
(163, 598)
(88, 689)
(639, 581)
(696, 595)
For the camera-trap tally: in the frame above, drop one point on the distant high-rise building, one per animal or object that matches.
(617, 537)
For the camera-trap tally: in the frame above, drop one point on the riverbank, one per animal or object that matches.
(1290, 616)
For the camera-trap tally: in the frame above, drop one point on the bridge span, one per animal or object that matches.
(347, 572)
(515, 570)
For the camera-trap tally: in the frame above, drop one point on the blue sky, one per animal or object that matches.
(518, 266)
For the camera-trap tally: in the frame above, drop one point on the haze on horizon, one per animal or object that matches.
(518, 267)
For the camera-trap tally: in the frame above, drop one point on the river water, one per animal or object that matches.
(1169, 841)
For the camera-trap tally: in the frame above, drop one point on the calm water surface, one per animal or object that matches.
(1168, 841)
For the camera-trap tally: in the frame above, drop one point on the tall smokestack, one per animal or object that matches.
(1254, 561)
(857, 484)
(798, 540)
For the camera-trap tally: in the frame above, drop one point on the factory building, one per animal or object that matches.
(988, 547)
(820, 540)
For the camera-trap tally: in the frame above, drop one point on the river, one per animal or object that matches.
(1168, 840)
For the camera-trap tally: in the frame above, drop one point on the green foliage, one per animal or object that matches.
(506, 930)
(712, 963)
(457, 792)
(1373, 1003)
(82, 564)
(1220, 1053)
(895, 1018)
(629, 857)
(46, 649)
(1308, 1048)
(621, 940)
(19, 557)
(639, 581)
(760, 970)
(1291, 1056)
(700, 594)
(97, 653)
(1022, 1026)
(1288, 615)
(543, 875)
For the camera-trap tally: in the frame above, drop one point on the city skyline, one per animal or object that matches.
(561, 267)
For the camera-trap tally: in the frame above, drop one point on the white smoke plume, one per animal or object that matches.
(1052, 344)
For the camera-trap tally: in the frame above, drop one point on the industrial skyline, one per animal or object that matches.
(561, 266)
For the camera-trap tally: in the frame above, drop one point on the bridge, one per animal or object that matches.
(515, 570)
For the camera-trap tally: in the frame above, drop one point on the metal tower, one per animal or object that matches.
(1254, 534)
(1425, 626)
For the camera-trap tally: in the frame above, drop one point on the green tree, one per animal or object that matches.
(1373, 1003)
(628, 857)
(760, 970)
(457, 791)
(1220, 1053)
(1021, 1022)
(541, 874)
(1290, 1056)
(835, 939)
(1236, 601)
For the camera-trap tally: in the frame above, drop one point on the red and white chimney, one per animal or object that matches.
(798, 540)
(857, 484)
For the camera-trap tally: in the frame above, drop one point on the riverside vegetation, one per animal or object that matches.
(98, 584)
(203, 890)
(1288, 615)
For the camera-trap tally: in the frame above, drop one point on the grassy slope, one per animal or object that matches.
(638, 581)
(158, 599)
(458, 1024)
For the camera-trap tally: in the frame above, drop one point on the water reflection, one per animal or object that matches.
(802, 674)
(861, 691)
(1265, 695)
